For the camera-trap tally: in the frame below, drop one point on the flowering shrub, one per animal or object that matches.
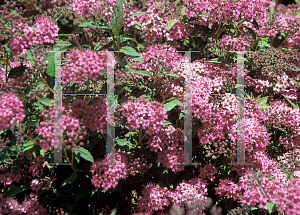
(150, 136)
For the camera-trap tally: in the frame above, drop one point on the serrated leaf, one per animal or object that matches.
(172, 23)
(16, 190)
(142, 72)
(51, 64)
(85, 154)
(69, 180)
(170, 105)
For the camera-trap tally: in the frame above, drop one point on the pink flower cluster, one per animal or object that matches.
(153, 198)
(92, 116)
(83, 64)
(11, 108)
(228, 188)
(142, 113)
(46, 32)
(217, 10)
(156, 198)
(11, 206)
(70, 126)
(107, 176)
(284, 117)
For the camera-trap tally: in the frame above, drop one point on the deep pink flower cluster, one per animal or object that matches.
(43, 31)
(11, 109)
(92, 116)
(71, 128)
(83, 64)
(107, 176)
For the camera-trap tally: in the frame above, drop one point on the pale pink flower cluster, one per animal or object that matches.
(11, 109)
(107, 176)
(83, 64)
(46, 33)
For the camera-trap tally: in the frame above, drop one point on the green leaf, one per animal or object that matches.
(172, 23)
(85, 154)
(138, 58)
(16, 190)
(270, 206)
(94, 101)
(170, 105)
(129, 51)
(182, 12)
(296, 106)
(165, 123)
(114, 212)
(101, 25)
(42, 152)
(118, 23)
(69, 180)
(157, 3)
(48, 57)
(263, 101)
(62, 43)
(264, 106)
(296, 69)
(142, 72)
(271, 14)
(125, 38)
(137, 14)
(176, 3)
(17, 71)
(28, 145)
(51, 64)
(46, 101)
